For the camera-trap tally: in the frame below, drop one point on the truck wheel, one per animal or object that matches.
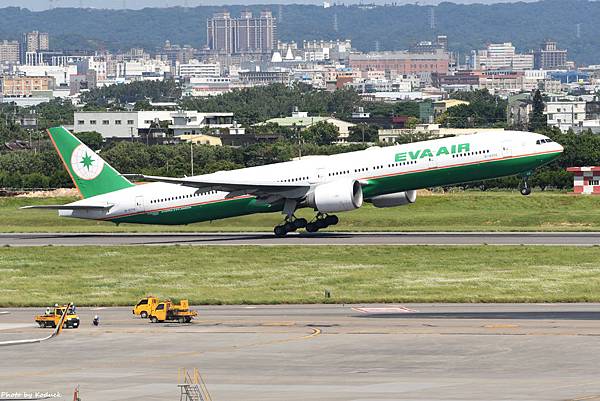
(41, 324)
(153, 319)
(188, 319)
(181, 320)
(144, 314)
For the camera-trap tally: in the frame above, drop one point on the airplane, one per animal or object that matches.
(386, 176)
(57, 330)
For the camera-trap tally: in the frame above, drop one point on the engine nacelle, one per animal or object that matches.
(395, 199)
(336, 196)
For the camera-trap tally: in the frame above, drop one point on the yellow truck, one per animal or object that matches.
(145, 306)
(53, 316)
(167, 311)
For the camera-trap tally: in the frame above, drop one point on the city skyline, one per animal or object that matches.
(41, 5)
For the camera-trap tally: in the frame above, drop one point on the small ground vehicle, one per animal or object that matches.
(168, 311)
(53, 315)
(145, 306)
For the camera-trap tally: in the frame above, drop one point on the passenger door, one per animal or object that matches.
(506, 148)
(139, 204)
(319, 176)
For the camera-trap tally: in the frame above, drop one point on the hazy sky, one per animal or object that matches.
(38, 5)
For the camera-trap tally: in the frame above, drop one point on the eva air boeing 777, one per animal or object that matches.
(384, 176)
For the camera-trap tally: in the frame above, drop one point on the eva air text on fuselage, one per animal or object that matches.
(421, 153)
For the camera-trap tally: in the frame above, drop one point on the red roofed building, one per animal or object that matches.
(586, 180)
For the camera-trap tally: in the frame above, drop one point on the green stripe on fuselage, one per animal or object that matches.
(377, 186)
(203, 212)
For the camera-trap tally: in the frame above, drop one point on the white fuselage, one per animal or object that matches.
(365, 165)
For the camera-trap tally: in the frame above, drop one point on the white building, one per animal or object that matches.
(61, 75)
(565, 114)
(93, 63)
(197, 69)
(127, 124)
(141, 69)
(192, 123)
(380, 85)
(206, 86)
(501, 56)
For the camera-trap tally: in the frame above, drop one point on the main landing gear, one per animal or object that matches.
(525, 189)
(322, 221)
(289, 225)
(292, 224)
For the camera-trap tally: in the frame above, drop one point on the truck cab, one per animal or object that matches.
(145, 306)
(53, 315)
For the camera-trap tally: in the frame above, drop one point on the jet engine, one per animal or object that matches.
(336, 196)
(395, 199)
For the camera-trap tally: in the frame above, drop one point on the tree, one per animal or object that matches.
(412, 122)
(370, 132)
(537, 119)
(92, 139)
(321, 133)
(483, 110)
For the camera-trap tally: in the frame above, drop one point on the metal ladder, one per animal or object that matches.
(192, 386)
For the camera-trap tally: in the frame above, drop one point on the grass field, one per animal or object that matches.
(237, 275)
(461, 211)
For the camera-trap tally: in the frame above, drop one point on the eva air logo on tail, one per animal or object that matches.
(85, 163)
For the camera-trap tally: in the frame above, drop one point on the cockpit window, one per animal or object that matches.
(540, 141)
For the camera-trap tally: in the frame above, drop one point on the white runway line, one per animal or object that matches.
(387, 309)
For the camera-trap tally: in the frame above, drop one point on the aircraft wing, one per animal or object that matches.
(68, 207)
(234, 187)
(55, 333)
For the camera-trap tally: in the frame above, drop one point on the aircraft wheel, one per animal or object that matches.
(280, 231)
(312, 228)
(300, 223)
(332, 220)
(321, 223)
(525, 191)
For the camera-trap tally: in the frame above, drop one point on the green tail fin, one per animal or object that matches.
(91, 175)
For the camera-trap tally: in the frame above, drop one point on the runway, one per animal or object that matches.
(319, 352)
(324, 238)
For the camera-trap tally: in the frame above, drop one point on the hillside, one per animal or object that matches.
(394, 27)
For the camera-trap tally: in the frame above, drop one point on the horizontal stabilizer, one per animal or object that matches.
(69, 207)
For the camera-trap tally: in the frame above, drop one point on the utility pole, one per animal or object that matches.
(297, 128)
(192, 156)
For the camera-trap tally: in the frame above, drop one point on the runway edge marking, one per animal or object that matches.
(388, 309)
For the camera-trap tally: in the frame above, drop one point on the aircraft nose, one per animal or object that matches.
(560, 148)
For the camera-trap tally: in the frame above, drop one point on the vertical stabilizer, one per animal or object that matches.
(90, 173)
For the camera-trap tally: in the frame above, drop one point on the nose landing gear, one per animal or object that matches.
(525, 189)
